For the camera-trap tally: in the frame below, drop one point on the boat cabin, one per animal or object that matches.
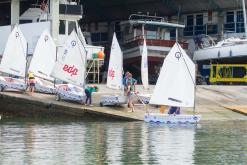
(160, 36)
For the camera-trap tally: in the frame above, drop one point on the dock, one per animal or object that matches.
(212, 102)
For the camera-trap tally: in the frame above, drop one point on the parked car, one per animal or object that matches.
(70, 92)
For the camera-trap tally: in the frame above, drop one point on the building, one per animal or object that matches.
(217, 18)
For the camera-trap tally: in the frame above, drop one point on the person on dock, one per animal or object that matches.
(174, 110)
(125, 82)
(88, 91)
(131, 91)
(31, 82)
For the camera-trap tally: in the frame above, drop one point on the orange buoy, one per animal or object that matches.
(101, 54)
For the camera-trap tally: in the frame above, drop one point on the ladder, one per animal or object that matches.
(93, 70)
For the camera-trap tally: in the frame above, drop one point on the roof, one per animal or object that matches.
(102, 10)
(108, 10)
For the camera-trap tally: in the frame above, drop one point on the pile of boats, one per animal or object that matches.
(175, 85)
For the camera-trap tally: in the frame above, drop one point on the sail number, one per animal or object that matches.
(111, 73)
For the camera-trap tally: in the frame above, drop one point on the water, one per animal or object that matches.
(89, 142)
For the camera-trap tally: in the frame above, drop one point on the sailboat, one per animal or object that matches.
(144, 98)
(114, 76)
(14, 61)
(71, 68)
(175, 87)
(43, 61)
(233, 48)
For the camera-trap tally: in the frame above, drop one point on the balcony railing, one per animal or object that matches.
(138, 41)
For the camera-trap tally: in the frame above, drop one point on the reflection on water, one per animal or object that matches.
(29, 142)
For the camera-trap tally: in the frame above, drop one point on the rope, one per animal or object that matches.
(191, 79)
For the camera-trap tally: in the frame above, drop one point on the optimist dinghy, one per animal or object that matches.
(14, 61)
(70, 92)
(43, 61)
(71, 66)
(115, 76)
(175, 87)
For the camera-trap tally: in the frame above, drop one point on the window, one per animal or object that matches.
(72, 26)
(190, 20)
(210, 16)
(240, 16)
(240, 22)
(199, 19)
(151, 35)
(62, 27)
(99, 37)
(189, 29)
(230, 17)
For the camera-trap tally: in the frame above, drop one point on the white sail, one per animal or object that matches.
(176, 82)
(70, 65)
(144, 66)
(115, 69)
(14, 55)
(44, 57)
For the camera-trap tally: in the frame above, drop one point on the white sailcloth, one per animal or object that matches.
(14, 55)
(70, 65)
(115, 69)
(44, 57)
(176, 82)
(144, 66)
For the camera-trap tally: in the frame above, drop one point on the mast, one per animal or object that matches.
(244, 14)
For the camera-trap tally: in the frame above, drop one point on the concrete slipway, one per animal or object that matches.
(212, 102)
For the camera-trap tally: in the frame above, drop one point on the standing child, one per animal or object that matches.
(130, 94)
(31, 82)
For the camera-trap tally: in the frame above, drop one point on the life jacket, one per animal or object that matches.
(30, 76)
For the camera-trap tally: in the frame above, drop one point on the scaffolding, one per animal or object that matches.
(93, 70)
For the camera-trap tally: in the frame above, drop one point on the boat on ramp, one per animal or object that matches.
(14, 62)
(175, 87)
(115, 76)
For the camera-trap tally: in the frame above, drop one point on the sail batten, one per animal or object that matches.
(144, 66)
(14, 56)
(176, 82)
(71, 63)
(115, 69)
(44, 57)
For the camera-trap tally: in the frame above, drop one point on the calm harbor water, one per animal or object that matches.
(89, 142)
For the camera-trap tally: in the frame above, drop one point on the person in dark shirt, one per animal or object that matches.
(88, 91)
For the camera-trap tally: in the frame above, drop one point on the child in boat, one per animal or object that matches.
(174, 110)
(31, 82)
(88, 91)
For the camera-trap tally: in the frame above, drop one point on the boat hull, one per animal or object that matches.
(221, 52)
(67, 92)
(112, 100)
(44, 89)
(171, 119)
(144, 98)
(12, 83)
